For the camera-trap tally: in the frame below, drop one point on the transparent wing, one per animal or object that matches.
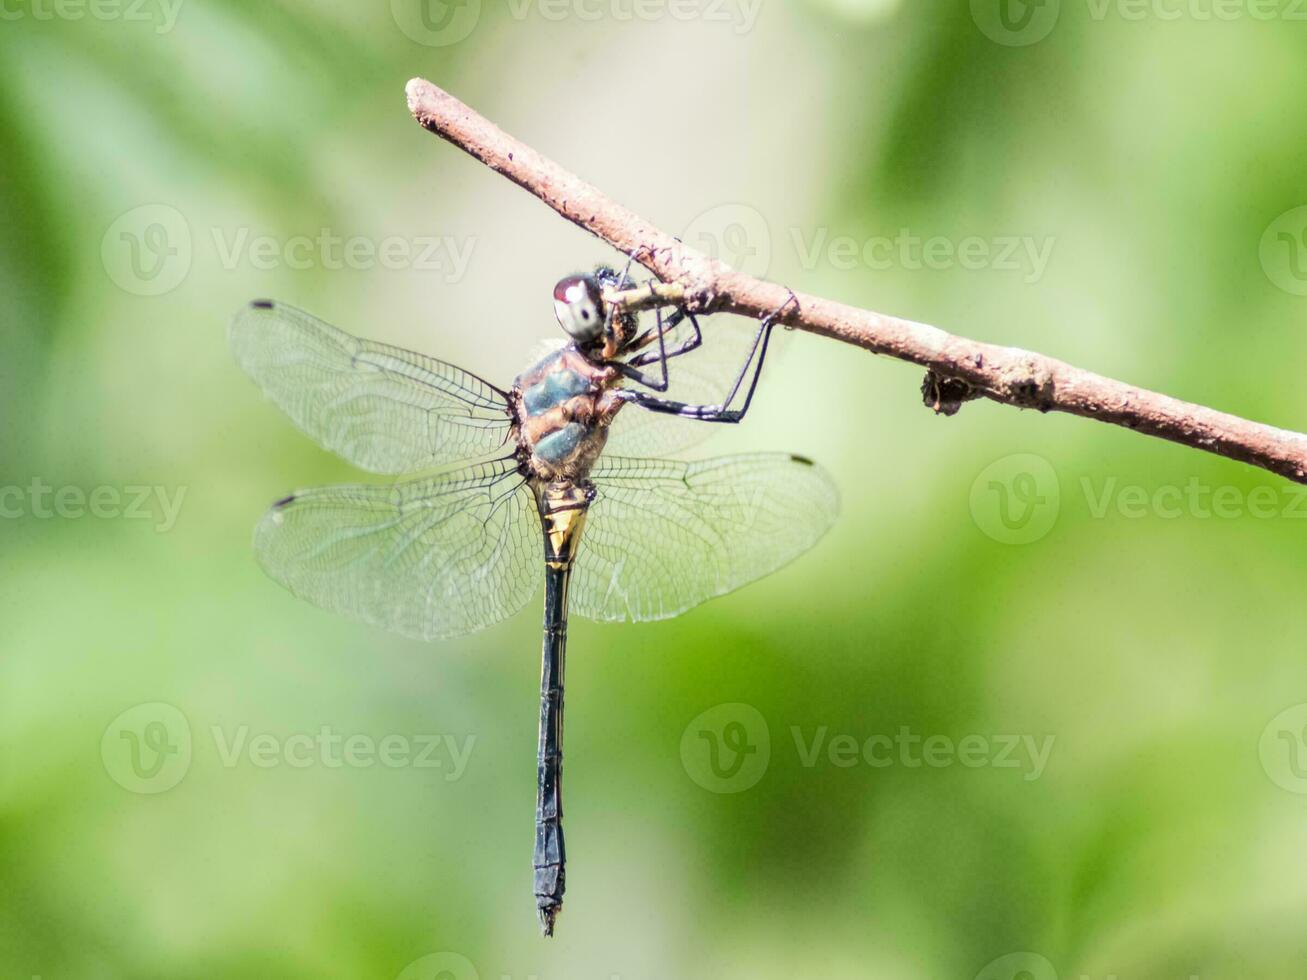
(663, 535)
(385, 409)
(701, 377)
(428, 558)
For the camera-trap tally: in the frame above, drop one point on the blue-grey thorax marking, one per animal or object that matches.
(558, 445)
(556, 388)
(563, 407)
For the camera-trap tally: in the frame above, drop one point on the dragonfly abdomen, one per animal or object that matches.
(562, 509)
(549, 860)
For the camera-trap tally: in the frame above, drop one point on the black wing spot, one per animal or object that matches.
(801, 460)
(284, 502)
(261, 304)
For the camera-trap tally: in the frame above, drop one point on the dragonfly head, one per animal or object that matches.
(579, 306)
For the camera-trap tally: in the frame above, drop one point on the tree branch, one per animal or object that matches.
(957, 369)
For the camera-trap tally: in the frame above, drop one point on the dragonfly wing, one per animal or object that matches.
(429, 558)
(664, 535)
(383, 408)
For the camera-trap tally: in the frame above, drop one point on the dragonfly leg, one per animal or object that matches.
(691, 343)
(722, 412)
(630, 370)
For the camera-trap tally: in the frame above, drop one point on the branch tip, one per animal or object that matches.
(958, 369)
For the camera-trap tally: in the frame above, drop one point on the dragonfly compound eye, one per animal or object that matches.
(578, 304)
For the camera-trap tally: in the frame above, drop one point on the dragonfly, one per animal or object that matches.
(501, 487)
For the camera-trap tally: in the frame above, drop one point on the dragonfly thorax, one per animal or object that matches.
(562, 407)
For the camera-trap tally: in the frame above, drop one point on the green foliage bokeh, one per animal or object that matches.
(1157, 647)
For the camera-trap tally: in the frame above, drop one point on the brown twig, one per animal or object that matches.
(958, 369)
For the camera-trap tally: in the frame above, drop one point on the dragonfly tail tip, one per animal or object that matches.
(547, 917)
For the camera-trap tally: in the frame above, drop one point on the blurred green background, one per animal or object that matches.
(1131, 608)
